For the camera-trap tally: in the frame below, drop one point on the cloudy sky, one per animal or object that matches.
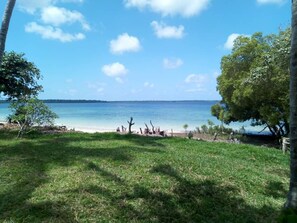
(136, 49)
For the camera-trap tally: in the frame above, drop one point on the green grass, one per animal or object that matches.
(75, 177)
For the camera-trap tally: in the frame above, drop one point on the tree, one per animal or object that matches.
(5, 25)
(292, 195)
(18, 77)
(30, 112)
(254, 82)
(185, 126)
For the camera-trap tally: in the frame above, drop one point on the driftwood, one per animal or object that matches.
(215, 136)
(147, 129)
(154, 131)
(285, 144)
(153, 127)
(130, 124)
(123, 129)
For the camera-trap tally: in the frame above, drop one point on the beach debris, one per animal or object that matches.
(118, 129)
(123, 129)
(215, 136)
(155, 131)
(285, 144)
(190, 135)
(153, 127)
(130, 124)
(231, 137)
(147, 129)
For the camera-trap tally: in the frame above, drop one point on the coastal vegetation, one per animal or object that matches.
(19, 83)
(30, 112)
(108, 177)
(254, 83)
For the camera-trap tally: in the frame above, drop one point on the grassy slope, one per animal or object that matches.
(110, 178)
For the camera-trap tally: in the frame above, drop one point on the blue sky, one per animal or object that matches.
(136, 49)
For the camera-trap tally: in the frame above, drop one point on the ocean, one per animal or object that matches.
(107, 116)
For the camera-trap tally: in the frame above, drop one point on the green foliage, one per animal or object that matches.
(18, 77)
(204, 129)
(211, 128)
(185, 126)
(254, 83)
(30, 112)
(288, 216)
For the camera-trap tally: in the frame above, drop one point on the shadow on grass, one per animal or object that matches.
(107, 175)
(276, 189)
(185, 201)
(199, 201)
(25, 165)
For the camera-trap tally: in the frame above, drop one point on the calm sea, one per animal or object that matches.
(107, 116)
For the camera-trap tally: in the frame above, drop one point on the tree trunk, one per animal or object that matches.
(5, 25)
(292, 195)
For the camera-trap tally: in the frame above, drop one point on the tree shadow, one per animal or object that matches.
(185, 200)
(199, 201)
(107, 175)
(276, 189)
(34, 157)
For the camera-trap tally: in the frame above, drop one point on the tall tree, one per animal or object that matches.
(5, 24)
(254, 83)
(292, 195)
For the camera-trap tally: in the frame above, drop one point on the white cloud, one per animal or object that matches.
(262, 2)
(185, 8)
(196, 78)
(49, 32)
(148, 85)
(230, 40)
(30, 6)
(197, 82)
(164, 31)
(72, 92)
(69, 80)
(99, 90)
(124, 43)
(116, 70)
(96, 86)
(172, 63)
(52, 18)
(57, 16)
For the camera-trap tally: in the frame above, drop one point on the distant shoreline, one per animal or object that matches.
(102, 101)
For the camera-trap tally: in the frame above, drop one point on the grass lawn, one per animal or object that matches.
(76, 177)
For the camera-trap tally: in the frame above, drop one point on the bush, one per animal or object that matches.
(30, 112)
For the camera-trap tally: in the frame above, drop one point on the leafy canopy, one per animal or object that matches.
(254, 83)
(18, 77)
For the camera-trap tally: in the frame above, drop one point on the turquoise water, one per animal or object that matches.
(107, 116)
